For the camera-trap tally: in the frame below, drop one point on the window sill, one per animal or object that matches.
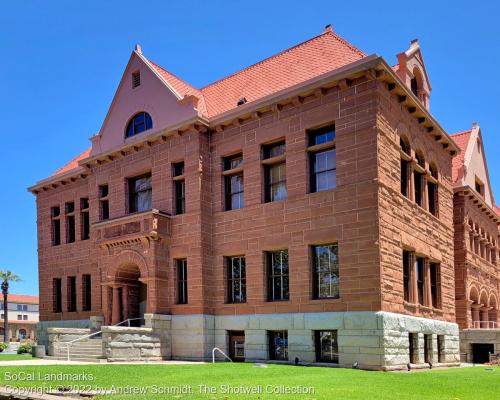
(326, 298)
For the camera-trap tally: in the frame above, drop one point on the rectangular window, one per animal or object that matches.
(236, 280)
(85, 218)
(140, 193)
(70, 222)
(435, 275)
(182, 282)
(432, 197)
(274, 172)
(233, 182)
(277, 273)
(419, 273)
(19, 317)
(418, 177)
(25, 317)
(406, 274)
(327, 348)
(278, 345)
(179, 187)
(103, 202)
(322, 159)
(56, 225)
(479, 187)
(86, 292)
(404, 178)
(326, 272)
(71, 282)
(57, 295)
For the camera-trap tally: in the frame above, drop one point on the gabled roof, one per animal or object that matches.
(314, 57)
(462, 141)
(22, 298)
(323, 53)
(73, 163)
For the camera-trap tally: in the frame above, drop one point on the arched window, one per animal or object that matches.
(140, 122)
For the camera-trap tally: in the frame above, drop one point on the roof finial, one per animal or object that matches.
(138, 48)
(475, 124)
(328, 28)
(414, 41)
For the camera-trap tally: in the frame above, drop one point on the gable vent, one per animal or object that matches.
(136, 79)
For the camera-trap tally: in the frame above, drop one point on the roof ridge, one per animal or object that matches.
(337, 37)
(461, 132)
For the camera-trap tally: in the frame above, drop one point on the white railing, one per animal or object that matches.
(220, 351)
(484, 324)
(68, 344)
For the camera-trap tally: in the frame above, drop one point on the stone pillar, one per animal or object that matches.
(161, 325)
(115, 315)
(475, 315)
(125, 302)
(484, 311)
(419, 349)
(96, 321)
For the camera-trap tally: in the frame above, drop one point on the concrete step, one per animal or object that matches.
(78, 358)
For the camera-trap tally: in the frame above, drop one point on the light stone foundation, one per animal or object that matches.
(373, 340)
(470, 336)
(43, 326)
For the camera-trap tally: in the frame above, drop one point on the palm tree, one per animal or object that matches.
(6, 277)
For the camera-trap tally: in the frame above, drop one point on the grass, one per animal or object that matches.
(329, 383)
(12, 357)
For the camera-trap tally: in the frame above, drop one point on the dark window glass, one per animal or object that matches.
(71, 293)
(278, 275)
(404, 178)
(233, 162)
(70, 207)
(274, 150)
(275, 182)
(85, 219)
(418, 188)
(406, 274)
(140, 193)
(103, 191)
(326, 271)
(56, 226)
(403, 144)
(86, 292)
(70, 229)
(432, 191)
(414, 86)
(327, 348)
(321, 135)
(140, 122)
(419, 272)
(236, 280)
(323, 170)
(178, 169)
(234, 188)
(103, 202)
(278, 345)
(182, 282)
(434, 270)
(180, 196)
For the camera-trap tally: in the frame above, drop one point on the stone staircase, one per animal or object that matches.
(89, 349)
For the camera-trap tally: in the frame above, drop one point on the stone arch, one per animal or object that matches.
(474, 294)
(417, 81)
(474, 306)
(483, 298)
(493, 312)
(127, 258)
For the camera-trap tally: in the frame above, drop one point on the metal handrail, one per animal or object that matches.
(95, 333)
(488, 324)
(220, 351)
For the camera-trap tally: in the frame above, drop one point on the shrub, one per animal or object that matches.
(24, 348)
(3, 346)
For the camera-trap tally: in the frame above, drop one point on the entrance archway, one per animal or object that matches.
(129, 294)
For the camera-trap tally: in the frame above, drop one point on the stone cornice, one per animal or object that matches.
(467, 191)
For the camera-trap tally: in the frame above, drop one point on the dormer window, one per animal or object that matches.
(136, 79)
(479, 187)
(140, 122)
(414, 86)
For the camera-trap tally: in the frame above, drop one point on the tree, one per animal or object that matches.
(6, 277)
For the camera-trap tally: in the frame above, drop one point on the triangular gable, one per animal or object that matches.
(411, 65)
(475, 166)
(155, 95)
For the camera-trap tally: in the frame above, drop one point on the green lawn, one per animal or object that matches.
(10, 357)
(329, 383)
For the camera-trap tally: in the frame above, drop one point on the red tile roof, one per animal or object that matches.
(462, 140)
(73, 163)
(314, 57)
(22, 298)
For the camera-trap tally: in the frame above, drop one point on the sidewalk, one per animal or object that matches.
(43, 361)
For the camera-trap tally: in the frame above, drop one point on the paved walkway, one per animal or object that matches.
(43, 361)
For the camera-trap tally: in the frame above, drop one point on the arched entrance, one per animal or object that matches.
(127, 294)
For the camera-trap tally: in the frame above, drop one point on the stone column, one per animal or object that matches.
(475, 315)
(115, 315)
(125, 302)
(484, 311)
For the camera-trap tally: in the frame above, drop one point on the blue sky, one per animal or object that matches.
(61, 63)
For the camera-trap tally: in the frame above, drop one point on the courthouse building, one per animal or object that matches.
(301, 207)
